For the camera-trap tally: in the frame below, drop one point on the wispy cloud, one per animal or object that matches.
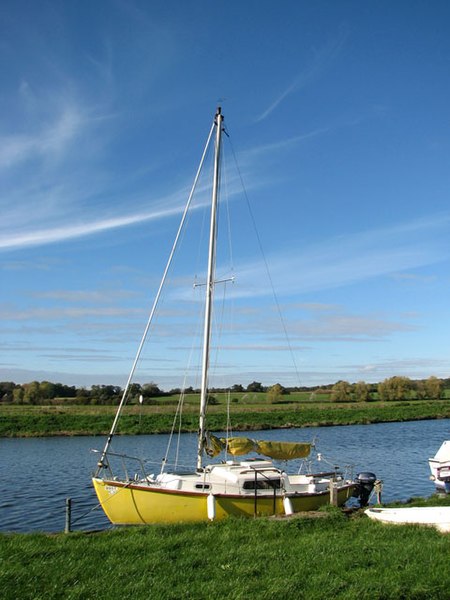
(346, 327)
(47, 136)
(284, 144)
(413, 278)
(321, 61)
(416, 367)
(71, 231)
(296, 84)
(41, 314)
(73, 215)
(327, 323)
(83, 296)
(49, 163)
(344, 260)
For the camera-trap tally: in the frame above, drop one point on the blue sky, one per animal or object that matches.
(338, 114)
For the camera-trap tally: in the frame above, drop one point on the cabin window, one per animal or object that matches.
(202, 486)
(262, 484)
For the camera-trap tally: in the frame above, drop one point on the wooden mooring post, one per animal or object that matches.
(68, 515)
(378, 489)
(333, 493)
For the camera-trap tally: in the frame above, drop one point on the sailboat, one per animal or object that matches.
(440, 468)
(213, 491)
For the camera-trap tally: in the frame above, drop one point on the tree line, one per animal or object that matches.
(44, 392)
(392, 388)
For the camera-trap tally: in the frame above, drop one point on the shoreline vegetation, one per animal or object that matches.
(339, 555)
(50, 409)
(247, 414)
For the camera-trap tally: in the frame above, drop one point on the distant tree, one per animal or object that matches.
(134, 391)
(361, 391)
(446, 383)
(150, 389)
(105, 394)
(433, 387)
(6, 391)
(237, 387)
(395, 388)
(382, 389)
(255, 386)
(46, 390)
(421, 390)
(31, 393)
(274, 392)
(83, 396)
(341, 392)
(18, 394)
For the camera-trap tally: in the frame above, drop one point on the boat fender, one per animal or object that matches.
(287, 504)
(211, 507)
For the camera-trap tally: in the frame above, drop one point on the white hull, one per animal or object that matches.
(433, 516)
(440, 468)
(442, 486)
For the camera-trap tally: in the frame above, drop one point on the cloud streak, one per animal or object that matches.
(48, 136)
(345, 260)
(285, 144)
(68, 232)
(322, 60)
(59, 208)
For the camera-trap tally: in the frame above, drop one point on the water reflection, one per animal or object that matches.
(38, 474)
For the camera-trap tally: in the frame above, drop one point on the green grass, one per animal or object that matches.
(302, 557)
(22, 421)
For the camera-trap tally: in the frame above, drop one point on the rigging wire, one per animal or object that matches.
(101, 463)
(228, 429)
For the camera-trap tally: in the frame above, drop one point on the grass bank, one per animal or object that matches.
(23, 420)
(329, 557)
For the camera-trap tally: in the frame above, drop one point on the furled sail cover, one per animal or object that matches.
(238, 446)
(284, 450)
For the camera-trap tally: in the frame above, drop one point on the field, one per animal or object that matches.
(325, 555)
(248, 412)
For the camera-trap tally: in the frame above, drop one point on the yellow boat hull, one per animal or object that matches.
(131, 504)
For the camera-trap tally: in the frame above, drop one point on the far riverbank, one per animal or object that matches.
(76, 420)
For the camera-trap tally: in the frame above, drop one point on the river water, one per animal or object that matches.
(38, 474)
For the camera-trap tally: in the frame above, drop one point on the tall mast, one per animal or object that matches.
(102, 464)
(209, 288)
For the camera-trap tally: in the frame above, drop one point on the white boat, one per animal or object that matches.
(248, 487)
(433, 516)
(440, 468)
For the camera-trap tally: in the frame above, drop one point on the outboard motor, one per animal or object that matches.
(365, 484)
